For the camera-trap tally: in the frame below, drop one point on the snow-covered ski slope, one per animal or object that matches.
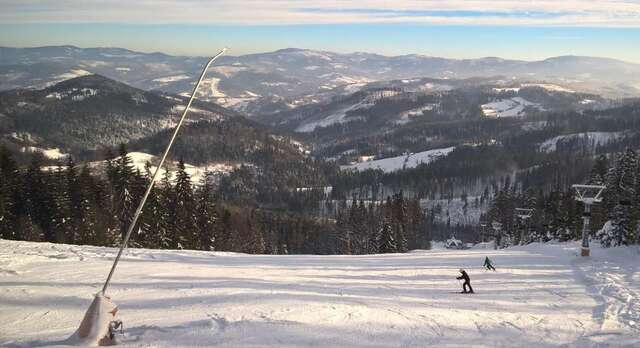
(541, 296)
(392, 164)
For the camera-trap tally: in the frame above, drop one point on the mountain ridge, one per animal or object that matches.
(235, 81)
(298, 49)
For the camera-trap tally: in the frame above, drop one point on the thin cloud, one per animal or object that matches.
(591, 13)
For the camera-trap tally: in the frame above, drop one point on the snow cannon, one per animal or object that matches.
(98, 326)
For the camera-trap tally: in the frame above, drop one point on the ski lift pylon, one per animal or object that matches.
(589, 194)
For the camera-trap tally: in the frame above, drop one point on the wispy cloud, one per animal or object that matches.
(586, 13)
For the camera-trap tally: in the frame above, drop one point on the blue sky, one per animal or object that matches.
(456, 29)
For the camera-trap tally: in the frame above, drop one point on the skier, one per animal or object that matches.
(467, 281)
(488, 264)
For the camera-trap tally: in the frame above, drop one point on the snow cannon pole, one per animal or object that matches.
(157, 171)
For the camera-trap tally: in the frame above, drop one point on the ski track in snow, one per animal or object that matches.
(541, 296)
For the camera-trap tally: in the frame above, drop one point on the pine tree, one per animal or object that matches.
(399, 222)
(60, 213)
(40, 203)
(164, 236)
(9, 203)
(343, 230)
(70, 203)
(254, 239)
(599, 171)
(206, 215)
(623, 225)
(387, 242)
(29, 229)
(123, 177)
(185, 207)
(90, 229)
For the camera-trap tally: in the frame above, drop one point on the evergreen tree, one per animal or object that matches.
(90, 229)
(123, 186)
(387, 242)
(399, 222)
(39, 201)
(623, 227)
(9, 200)
(206, 215)
(184, 209)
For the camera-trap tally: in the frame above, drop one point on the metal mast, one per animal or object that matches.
(588, 194)
(157, 171)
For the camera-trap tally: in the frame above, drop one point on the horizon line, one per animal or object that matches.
(323, 51)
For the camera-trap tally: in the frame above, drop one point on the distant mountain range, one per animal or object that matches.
(311, 113)
(245, 82)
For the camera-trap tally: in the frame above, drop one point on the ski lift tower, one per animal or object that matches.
(589, 195)
(524, 214)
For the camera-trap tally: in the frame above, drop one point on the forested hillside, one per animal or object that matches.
(375, 166)
(73, 204)
(91, 112)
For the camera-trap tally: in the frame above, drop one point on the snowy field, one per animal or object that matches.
(392, 164)
(512, 107)
(541, 296)
(595, 139)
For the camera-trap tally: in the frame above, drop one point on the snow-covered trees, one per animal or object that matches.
(9, 185)
(557, 215)
(621, 199)
(387, 242)
(207, 226)
(391, 226)
(89, 205)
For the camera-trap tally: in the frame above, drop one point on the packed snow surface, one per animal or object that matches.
(73, 73)
(339, 116)
(392, 164)
(549, 87)
(594, 138)
(174, 78)
(512, 107)
(406, 116)
(540, 296)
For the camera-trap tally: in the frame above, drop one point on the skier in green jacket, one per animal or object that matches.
(488, 265)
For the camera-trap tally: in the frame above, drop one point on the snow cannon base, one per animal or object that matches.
(97, 325)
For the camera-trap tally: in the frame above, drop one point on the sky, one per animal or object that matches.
(517, 29)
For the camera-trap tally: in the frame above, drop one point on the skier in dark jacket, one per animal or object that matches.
(467, 282)
(488, 264)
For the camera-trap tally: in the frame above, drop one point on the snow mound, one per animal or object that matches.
(94, 328)
(392, 164)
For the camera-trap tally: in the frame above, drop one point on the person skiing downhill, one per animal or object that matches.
(488, 264)
(467, 282)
